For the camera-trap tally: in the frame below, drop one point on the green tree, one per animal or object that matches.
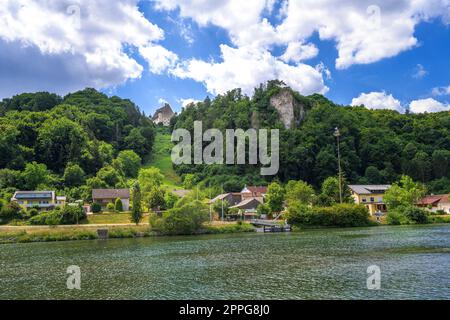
(35, 174)
(136, 212)
(275, 197)
(330, 189)
(118, 206)
(404, 193)
(129, 163)
(155, 199)
(218, 205)
(150, 178)
(74, 175)
(299, 191)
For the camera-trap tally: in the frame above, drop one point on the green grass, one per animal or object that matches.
(109, 218)
(160, 158)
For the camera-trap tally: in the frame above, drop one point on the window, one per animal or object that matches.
(364, 200)
(372, 199)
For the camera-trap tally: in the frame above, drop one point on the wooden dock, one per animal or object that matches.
(270, 226)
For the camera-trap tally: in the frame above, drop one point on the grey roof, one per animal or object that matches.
(110, 193)
(245, 202)
(34, 194)
(369, 188)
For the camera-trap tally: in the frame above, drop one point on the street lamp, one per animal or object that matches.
(337, 134)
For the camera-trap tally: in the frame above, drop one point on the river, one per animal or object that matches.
(314, 264)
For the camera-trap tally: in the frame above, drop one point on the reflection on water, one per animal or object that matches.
(315, 264)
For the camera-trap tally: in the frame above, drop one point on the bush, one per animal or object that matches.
(339, 215)
(96, 207)
(407, 215)
(10, 212)
(110, 207)
(72, 215)
(50, 218)
(187, 219)
(32, 212)
(118, 206)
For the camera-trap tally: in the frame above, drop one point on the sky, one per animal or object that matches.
(386, 54)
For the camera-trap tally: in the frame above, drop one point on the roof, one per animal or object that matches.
(255, 189)
(434, 199)
(110, 193)
(34, 195)
(369, 188)
(245, 202)
(166, 111)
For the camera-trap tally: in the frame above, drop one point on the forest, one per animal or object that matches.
(71, 144)
(377, 146)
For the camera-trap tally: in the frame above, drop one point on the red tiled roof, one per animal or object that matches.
(434, 199)
(257, 189)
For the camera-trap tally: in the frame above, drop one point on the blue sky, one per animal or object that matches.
(383, 54)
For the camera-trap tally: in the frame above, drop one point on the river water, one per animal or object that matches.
(314, 264)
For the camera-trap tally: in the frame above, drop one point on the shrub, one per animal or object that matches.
(339, 215)
(110, 207)
(50, 218)
(118, 206)
(10, 212)
(96, 207)
(72, 215)
(32, 212)
(416, 215)
(187, 219)
(407, 215)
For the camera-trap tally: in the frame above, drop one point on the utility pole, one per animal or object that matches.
(337, 134)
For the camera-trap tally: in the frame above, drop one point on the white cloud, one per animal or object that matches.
(364, 33)
(185, 102)
(296, 52)
(162, 101)
(245, 68)
(427, 105)
(420, 72)
(89, 40)
(378, 100)
(441, 91)
(158, 58)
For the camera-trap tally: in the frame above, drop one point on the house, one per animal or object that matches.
(232, 198)
(248, 192)
(436, 203)
(371, 196)
(163, 115)
(105, 196)
(44, 200)
(247, 207)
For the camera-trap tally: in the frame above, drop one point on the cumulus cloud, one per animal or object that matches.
(378, 100)
(296, 52)
(427, 105)
(90, 42)
(158, 58)
(364, 33)
(246, 67)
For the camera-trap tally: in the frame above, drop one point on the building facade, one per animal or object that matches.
(44, 200)
(435, 203)
(105, 196)
(371, 196)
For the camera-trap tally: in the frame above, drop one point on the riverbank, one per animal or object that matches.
(26, 234)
